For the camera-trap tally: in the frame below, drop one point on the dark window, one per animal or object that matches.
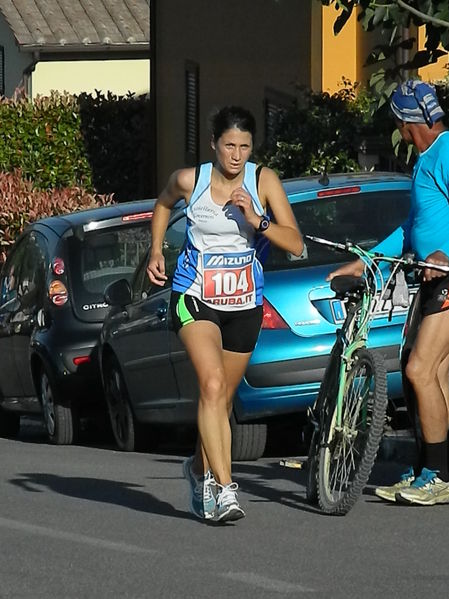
(275, 104)
(358, 217)
(192, 114)
(2, 71)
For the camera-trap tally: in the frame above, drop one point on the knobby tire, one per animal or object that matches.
(346, 458)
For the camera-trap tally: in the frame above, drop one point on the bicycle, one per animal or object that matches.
(349, 414)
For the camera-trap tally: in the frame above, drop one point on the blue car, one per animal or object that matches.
(147, 376)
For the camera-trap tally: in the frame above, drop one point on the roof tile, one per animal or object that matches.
(40, 23)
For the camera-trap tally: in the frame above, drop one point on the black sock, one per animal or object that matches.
(435, 458)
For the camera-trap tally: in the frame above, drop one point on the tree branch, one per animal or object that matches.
(422, 15)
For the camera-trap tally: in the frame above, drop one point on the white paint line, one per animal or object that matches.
(71, 537)
(268, 584)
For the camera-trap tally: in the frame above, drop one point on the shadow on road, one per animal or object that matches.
(104, 491)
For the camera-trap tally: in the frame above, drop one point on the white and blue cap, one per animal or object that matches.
(416, 102)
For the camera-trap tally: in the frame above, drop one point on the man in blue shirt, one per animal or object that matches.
(418, 117)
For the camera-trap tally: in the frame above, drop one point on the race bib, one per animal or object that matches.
(228, 279)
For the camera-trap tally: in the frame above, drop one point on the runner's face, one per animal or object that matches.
(233, 150)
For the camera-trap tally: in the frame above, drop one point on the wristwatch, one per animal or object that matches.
(264, 223)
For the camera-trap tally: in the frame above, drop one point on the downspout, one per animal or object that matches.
(27, 72)
(153, 99)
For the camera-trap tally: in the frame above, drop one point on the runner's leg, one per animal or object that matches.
(202, 340)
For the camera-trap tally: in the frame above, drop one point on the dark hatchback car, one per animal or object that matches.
(147, 375)
(52, 308)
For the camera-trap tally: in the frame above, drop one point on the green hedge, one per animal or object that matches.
(100, 143)
(322, 132)
(43, 139)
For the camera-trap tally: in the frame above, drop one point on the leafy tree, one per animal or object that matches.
(391, 16)
(323, 132)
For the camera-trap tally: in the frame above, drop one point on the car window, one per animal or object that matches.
(103, 256)
(31, 283)
(11, 270)
(172, 246)
(25, 271)
(364, 218)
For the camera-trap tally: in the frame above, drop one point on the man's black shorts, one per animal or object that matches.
(435, 296)
(239, 328)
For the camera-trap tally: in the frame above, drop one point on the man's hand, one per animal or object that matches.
(437, 257)
(156, 270)
(355, 269)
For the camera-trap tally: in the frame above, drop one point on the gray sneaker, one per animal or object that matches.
(427, 489)
(202, 498)
(228, 508)
(389, 493)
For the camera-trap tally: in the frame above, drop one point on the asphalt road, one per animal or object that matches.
(91, 522)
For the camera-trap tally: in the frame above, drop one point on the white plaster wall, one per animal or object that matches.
(116, 76)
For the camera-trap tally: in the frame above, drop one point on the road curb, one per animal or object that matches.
(398, 446)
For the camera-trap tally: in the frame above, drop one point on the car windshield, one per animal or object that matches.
(363, 218)
(101, 257)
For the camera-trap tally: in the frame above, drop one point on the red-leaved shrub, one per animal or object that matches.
(21, 204)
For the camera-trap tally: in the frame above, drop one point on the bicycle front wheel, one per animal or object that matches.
(348, 450)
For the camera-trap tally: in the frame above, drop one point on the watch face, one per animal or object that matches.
(264, 224)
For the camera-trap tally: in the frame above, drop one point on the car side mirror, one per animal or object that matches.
(118, 293)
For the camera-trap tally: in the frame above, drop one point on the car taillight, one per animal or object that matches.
(77, 360)
(58, 294)
(271, 318)
(58, 266)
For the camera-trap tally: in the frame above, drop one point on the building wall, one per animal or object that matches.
(238, 57)
(344, 55)
(15, 61)
(340, 52)
(116, 76)
(438, 70)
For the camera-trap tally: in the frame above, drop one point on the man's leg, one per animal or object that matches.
(427, 364)
(428, 359)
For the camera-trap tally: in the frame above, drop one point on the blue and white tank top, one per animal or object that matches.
(220, 261)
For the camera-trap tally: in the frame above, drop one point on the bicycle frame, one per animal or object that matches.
(375, 291)
(349, 413)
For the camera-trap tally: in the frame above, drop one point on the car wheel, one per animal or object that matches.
(248, 440)
(9, 424)
(128, 433)
(59, 418)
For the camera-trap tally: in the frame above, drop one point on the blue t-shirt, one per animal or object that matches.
(427, 226)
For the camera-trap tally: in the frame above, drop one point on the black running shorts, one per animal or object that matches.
(435, 296)
(239, 328)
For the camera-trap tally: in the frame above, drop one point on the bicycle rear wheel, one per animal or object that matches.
(326, 398)
(347, 452)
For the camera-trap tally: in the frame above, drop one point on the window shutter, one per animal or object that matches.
(192, 113)
(2, 71)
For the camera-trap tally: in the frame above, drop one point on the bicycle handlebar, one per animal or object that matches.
(349, 246)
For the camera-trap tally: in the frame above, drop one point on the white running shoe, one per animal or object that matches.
(228, 508)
